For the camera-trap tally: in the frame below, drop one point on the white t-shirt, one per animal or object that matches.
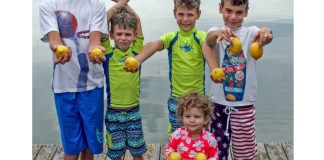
(74, 20)
(240, 87)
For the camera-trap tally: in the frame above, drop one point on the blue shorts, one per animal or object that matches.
(80, 117)
(124, 131)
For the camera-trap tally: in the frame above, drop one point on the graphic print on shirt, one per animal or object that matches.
(235, 67)
(186, 47)
(67, 24)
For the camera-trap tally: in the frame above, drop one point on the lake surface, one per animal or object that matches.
(274, 106)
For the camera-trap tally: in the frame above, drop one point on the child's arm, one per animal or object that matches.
(95, 42)
(118, 5)
(210, 57)
(264, 36)
(54, 41)
(214, 37)
(148, 50)
(139, 25)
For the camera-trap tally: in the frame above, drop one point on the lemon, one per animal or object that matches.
(218, 73)
(256, 50)
(96, 52)
(236, 46)
(174, 156)
(131, 63)
(201, 156)
(61, 50)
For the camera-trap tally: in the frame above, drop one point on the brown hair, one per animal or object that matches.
(190, 4)
(123, 17)
(236, 2)
(195, 100)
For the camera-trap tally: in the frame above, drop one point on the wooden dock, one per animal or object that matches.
(266, 151)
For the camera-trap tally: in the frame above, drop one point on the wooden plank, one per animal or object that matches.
(47, 152)
(127, 155)
(59, 154)
(153, 152)
(262, 152)
(275, 151)
(103, 155)
(289, 149)
(230, 153)
(162, 151)
(267, 151)
(36, 149)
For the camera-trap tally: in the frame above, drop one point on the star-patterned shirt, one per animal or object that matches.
(182, 142)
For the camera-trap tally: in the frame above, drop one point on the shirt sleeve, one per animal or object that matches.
(167, 38)
(105, 41)
(213, 29)
(201, 36)
(213, 148)
(172, 146)
(47, 19)
(138, 44)
(99, 19)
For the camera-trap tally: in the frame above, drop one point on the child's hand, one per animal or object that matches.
(97, 59)
(225, 34)
(132, 69)
(264, 36)
(217, 80)
(63, 59)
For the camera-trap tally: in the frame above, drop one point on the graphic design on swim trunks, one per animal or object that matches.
(99, 136)
(235, 67)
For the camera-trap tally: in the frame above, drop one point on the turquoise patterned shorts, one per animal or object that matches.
(124, 131)
(174, 121)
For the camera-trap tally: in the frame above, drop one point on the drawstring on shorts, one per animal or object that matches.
(228, 110)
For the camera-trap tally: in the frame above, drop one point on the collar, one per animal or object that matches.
(187, 33)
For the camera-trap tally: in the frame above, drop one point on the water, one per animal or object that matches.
(274, 106)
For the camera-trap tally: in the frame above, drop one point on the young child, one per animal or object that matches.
(195, 112)
(234, 99)
(77, 83)
(187, 52)
(123, 116)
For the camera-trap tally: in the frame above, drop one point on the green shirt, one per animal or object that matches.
(122, 87)
(186, 61)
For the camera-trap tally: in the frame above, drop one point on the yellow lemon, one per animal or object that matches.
(236, 46)
(218, 73)
(256, 50)
(61, 50)
(174, 156)
(131, 63)
(96, 52)
(201, 156)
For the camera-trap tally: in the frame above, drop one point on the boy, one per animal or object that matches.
(123, 117)
(77, 83)
(187, 52)
(234, 99)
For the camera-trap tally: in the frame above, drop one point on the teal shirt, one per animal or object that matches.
(123, 88)
(186, 61)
